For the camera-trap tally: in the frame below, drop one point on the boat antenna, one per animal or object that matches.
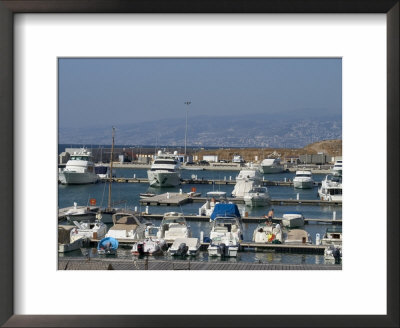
(111, 167)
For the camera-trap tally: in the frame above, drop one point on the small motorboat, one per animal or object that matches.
(185, 246)
(296, 237)
(257, 196)
(173, 226)
(226, 231)
(293, 220)
(107, 246)
(78, 213)
(333, 253)
(146, 195)
(268, 233)
(149, 246)
(87, 229)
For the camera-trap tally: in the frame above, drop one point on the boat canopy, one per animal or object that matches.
(225, 210)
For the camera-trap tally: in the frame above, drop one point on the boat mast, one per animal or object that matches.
(111, 167)
(187, 103)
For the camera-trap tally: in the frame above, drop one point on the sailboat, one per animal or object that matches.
(105, 215)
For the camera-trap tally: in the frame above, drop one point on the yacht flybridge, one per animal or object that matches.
(165, 170)
(79, 169)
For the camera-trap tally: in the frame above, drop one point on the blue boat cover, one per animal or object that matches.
(221, 209)
(108, 240)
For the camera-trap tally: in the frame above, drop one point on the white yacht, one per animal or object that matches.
(303, 180)
(331, 188)
(173, 226)
(338, 167)
(226, 231)
(257, 196)
(127, 226)
(87, 229)
(271, 165)
(245, 181)
(79, 169)
(292, 220)
(165, 170)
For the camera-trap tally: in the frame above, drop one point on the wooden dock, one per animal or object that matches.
(248, 219)
(247, 246)
(72, 263)
(176, 199)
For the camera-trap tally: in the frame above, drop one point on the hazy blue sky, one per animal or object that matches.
(120, 91)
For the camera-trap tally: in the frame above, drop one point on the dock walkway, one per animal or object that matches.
(206, 181)
(72, 263)
(176, 199)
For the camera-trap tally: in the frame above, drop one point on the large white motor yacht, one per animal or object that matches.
(79, 169)
(271, 165)
(331, 188)
(165, 170)
(245, 181)
(303, 180)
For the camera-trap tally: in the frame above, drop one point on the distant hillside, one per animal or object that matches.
(278, 130)
(328, 147)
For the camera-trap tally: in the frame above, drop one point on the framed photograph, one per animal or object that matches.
(50, 45)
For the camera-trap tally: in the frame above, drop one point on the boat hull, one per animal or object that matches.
(256, 201)
(66, 177)
(303, 184)
(163, 179)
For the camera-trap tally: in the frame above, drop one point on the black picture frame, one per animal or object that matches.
(10, 7)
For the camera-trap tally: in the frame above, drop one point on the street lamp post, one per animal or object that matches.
(187, 103)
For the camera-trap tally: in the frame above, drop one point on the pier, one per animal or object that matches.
(246, 246)
(245, 219)
(72, 263)
(176, 199)
(232, 181)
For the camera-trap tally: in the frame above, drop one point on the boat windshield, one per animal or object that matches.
(303, 175)
(79, 158)
(258, 189)
(223, 221)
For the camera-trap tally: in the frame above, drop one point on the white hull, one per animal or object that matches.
(67, 177)
(215, 250)
(303, 184)
(271, 169)
(256, 201)
(163, 179)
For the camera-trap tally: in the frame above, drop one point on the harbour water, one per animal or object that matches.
(126, 195)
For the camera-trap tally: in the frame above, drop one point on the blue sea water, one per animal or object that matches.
(127, 195)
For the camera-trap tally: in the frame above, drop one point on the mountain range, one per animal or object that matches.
(289, 129)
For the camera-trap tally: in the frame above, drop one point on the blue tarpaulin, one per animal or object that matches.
(225, 210)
